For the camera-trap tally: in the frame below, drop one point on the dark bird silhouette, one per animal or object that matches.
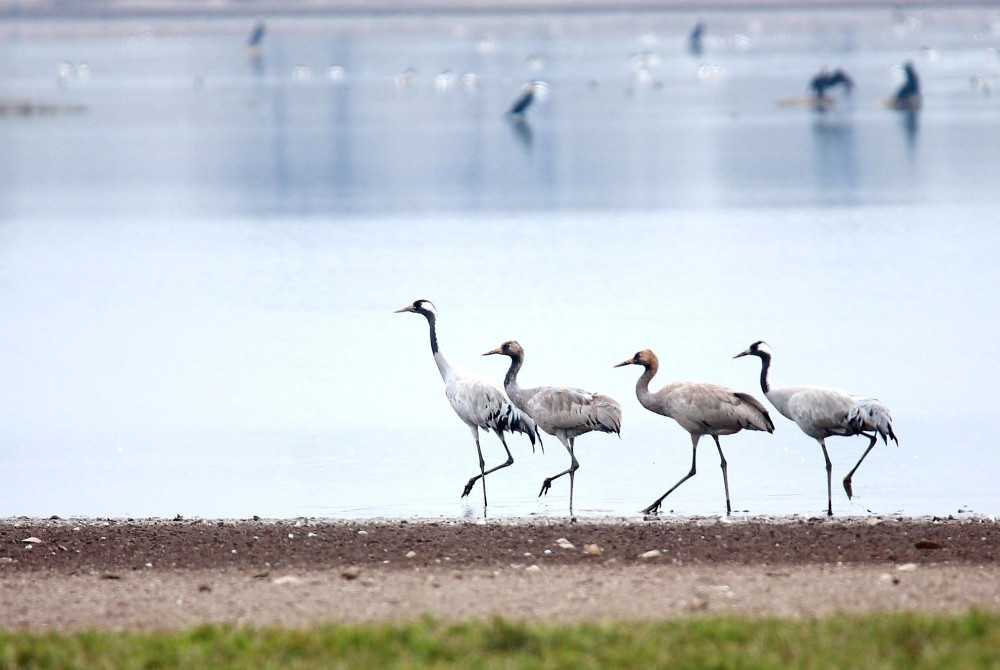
(257, 35)
(695, 45)
(908, 96)
(523, 101)
(826, 79)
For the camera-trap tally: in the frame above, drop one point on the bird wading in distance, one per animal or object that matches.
(478, 401)
(523, 101)
(700, 409)
(825, 412)
(564, 412)
(908, 97)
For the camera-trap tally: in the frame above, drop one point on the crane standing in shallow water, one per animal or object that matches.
(564, 412)
(700, 409)
(477, 400)
(824, 412)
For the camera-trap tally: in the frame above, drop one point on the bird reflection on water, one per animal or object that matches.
(522, 131)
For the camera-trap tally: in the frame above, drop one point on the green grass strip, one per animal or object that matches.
(874, 641)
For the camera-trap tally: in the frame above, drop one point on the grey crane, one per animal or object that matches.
(700, 409)
(824, 412)
(564, 412)
(478, 401)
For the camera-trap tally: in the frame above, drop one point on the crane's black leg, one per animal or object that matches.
(509, 461)
(482, 470)
(847, 480)
(655, 507)
(725, 476)
(573, 467)
(829, 485)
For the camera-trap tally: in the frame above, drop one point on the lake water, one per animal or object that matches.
(198, 273)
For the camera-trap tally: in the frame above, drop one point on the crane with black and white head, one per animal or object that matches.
(564, 412)
(700, 409)
(825, 412)
(477, 400)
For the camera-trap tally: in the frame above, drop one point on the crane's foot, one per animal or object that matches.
(546, 485)
(652, 510)
(468, 487)
(848, 487)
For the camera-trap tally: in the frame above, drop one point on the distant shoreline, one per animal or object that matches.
(97, 9)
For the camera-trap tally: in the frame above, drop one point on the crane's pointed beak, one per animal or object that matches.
(495, 351)
(742, 353)
(624, 363)
(408, 308)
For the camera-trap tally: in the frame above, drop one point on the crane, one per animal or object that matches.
(824, 412)
(700, 409)
(564, 412)
(478, 401)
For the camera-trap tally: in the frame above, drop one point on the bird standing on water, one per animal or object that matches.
(700, 409)
(564, 412)
(908, 96)
(826, 79)
(523, 101)
(824, 412)
(477, 400)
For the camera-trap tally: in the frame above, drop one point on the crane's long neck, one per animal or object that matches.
(444, 367)
(642, 385)
(765, 368)
(510, 381)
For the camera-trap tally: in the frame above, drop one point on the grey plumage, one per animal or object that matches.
(564, 412)
(478, 401)
(700, 409)
(826, 412)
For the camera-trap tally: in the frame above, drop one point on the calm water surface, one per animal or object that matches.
(198, 274)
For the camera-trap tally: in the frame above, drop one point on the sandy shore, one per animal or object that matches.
(76, 574)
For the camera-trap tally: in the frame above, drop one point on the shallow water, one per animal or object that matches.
(198, 273)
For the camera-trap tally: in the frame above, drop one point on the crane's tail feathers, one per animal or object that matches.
(514, 420)
(761, 421)
(870, 414)
(607, 415)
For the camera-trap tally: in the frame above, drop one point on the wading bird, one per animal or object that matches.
(523, 101)
(256, 39)
(700, 409)
(477, 400)
(826, 79)
(908, 97)
(824, 412)
(560, 411)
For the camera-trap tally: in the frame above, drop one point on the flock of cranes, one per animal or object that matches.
(700, 409)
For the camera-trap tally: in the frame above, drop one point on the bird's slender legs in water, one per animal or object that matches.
(482, 465)
(847, 480)
(829, 485)
(571, 470)
(654, 508)
(725, 476)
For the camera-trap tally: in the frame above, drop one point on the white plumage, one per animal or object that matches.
(700, 409)
(826, 412)
(477, 400)
(564, 412)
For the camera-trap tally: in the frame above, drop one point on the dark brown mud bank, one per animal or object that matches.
(68, 546)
